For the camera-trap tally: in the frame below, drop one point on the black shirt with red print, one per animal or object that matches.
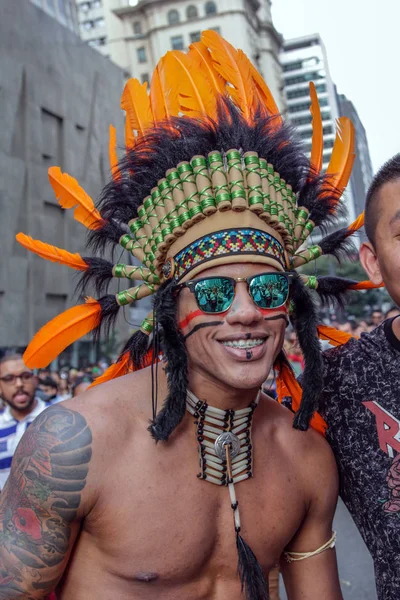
(361, 405)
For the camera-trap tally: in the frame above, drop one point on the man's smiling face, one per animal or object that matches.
(237, 348)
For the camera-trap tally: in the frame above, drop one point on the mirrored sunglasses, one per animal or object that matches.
(216, 294)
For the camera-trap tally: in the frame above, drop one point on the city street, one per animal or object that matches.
(355, 564)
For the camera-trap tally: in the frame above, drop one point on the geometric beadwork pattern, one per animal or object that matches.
(224, 243)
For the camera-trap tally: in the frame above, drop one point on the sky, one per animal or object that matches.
(362, 39)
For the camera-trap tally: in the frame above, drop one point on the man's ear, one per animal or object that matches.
(370, 263)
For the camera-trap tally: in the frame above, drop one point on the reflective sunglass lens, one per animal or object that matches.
(270, 290)
(214, 295)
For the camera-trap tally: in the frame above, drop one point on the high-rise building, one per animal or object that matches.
(61, 10)
(362, 170)
(136, 33)
(303, 60)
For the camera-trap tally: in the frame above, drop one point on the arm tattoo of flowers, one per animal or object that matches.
(41, 500)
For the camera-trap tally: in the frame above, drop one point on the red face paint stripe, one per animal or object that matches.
(185, 322)
(274, 311)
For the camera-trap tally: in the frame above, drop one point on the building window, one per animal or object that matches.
(96, 4)
(195, 37)
(216, 29)
(137, 28)
(173, 17)
(191, 12)
(310, 76)
(293, 66)
(97, 42)
(84, 7)
(177, 42)
(144, 78)
(211, 8)
(328, 129)
(141, 54)
(87, 25)
(99, 22)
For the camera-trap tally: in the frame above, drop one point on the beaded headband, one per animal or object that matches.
(219, 207)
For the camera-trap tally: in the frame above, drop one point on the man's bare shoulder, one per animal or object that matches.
(309, 447)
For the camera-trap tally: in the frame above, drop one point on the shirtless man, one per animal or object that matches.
(92, 500)
(93, 506)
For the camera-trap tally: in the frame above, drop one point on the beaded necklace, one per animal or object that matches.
(225, 448)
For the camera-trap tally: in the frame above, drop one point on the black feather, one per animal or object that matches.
(109, 313)
(333, 290)
(137, 346)
(98, 275)
(338, 244)
(250, 572)
(305, 321)
(174, 352)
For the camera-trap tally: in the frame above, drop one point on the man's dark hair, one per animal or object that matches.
(389, 172)
(49, 382)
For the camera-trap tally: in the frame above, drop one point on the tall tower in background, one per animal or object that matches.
(136, 33)
(303, 60)
(63, 11)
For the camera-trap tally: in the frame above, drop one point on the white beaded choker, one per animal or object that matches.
(225, 448)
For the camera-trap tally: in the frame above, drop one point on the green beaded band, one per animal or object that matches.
(147, 326)
(234, 156)
(222, 198)
(172, 177)
(301, 214)
(185, 168)
(312, 282)
(199, 161)
(195, 210)
(126, 297)
(210, 201)
(120, 271)
(148, 204)
(135, 226)
(163, 185)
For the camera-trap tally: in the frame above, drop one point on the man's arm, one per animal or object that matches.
(315, 577)
(41, 504)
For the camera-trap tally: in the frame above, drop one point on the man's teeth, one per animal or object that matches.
(243, 343)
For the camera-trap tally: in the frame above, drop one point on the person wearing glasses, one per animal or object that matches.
(218, 207)
(17, 389)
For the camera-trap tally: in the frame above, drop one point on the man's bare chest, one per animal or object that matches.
(156, 519)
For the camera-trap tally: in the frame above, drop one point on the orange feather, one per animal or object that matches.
(123, 366)
(317, 141)
(233, 66)
(202, 60)
(112, 153)
(366, 285)
(263, 93)
(135, 102)
(118, 369)
(48, 252)
(333, 335)
(287, 385)
(190, 85)
(357, 224)
(70, 195)
(163, 103)
(60, 332)
(343, 155)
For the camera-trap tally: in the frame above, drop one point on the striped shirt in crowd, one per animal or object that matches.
(11, 431)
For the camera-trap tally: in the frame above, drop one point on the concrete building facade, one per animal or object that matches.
(55, 109)
(63, 11)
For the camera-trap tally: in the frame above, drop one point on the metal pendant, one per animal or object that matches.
(227, 439)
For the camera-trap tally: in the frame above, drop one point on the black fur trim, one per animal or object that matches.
(305, 321)
(174, 352)
(333, 290)
(109, 313)
(338, 244)
(99, 274)
(137, 346)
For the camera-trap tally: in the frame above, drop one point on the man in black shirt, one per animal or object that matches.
(361, 401)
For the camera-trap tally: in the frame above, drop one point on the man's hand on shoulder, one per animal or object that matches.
(43, 502)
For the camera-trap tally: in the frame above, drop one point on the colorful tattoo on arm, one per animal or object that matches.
(40, 502)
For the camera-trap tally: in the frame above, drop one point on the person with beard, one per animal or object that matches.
(361, 401)
(18, 387)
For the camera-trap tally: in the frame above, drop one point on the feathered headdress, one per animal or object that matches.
(211, 175)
